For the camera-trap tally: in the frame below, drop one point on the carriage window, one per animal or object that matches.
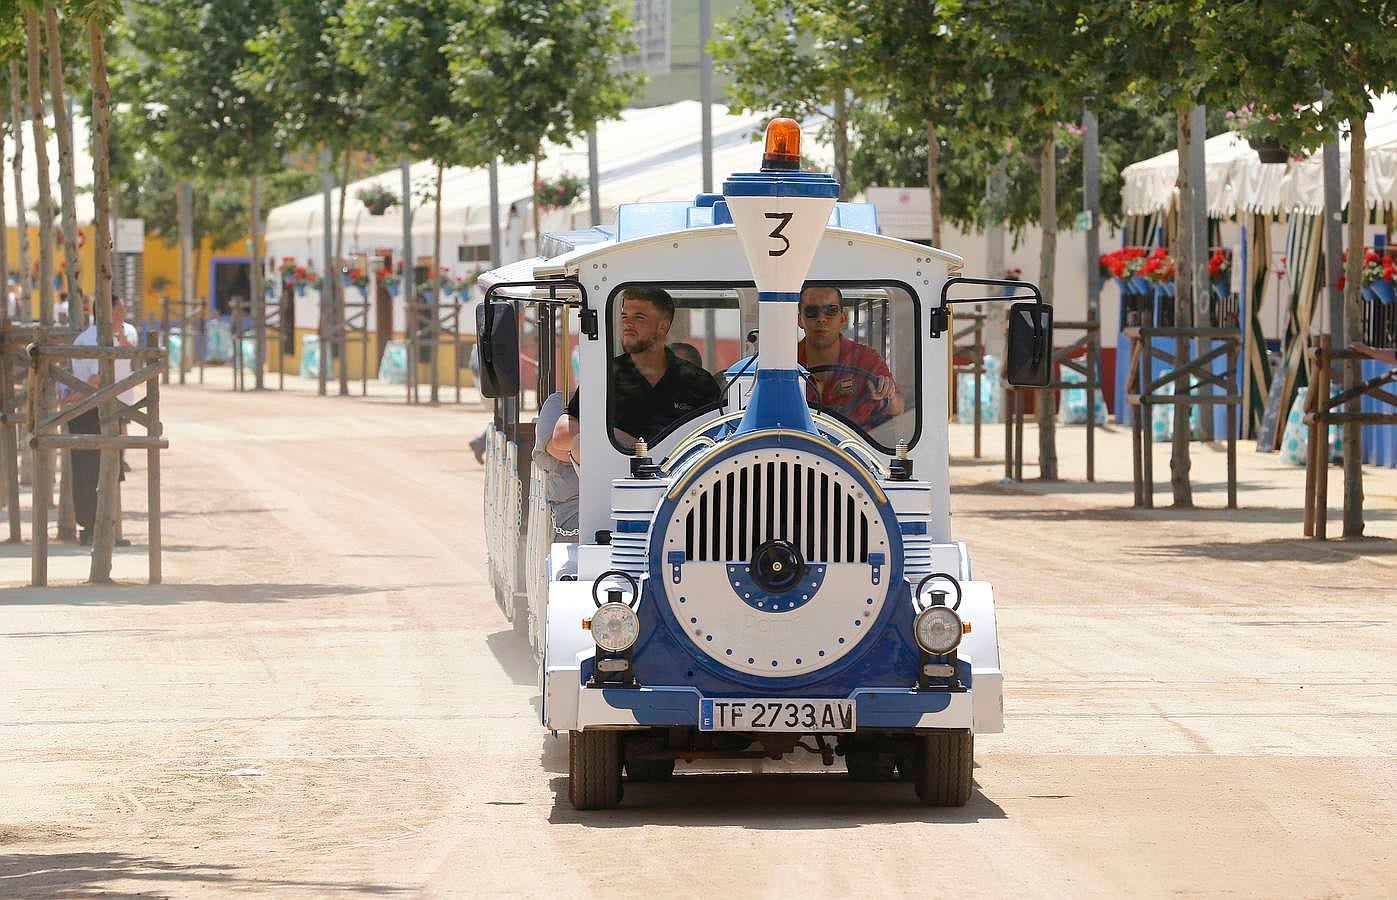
(858, 341)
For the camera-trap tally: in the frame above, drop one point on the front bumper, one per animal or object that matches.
(679, 706)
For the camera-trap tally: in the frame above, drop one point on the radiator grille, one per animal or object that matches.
(776, 500)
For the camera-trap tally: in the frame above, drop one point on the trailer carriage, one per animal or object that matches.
(769, 572)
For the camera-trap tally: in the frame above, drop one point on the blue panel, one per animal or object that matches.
(632, 526)
(749, 592)
(703, 200)
(721, 214)
(1379, 441)
(913, 527)
(635, 220)
(778, 296)
(856, 217)
(781, 184)
(777, 401)
(699, 217)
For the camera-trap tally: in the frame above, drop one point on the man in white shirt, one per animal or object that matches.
(86, 463)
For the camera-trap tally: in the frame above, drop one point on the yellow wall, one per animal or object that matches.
(446, 360)
(159, 261)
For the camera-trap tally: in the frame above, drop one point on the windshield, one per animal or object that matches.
(671, 345)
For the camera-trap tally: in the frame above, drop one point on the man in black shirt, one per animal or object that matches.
(650, 387)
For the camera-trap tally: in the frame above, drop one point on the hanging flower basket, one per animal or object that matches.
(288, 270)
(1379, 272)
(376, 199)
(1269, 150)
(557, 193)
(357, 278)
(391, 282)
(270, 285)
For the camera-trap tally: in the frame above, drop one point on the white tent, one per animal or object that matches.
(647, 154)
(82, 173)
(1239, 181)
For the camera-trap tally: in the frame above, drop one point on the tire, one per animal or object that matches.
(943, 771)
(869, 765)
(594, 769)
(649, 769)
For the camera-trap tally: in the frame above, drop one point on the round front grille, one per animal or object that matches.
(782, 562)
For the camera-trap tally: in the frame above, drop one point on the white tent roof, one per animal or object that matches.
(1239, 181)
(82, 172)
(646, 154)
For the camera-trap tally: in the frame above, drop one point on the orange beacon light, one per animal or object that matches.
(782, 145)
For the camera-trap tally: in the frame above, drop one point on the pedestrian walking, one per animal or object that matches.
(87, 463)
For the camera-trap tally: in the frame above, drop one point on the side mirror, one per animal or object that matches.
(1030, 345)
(497, 330)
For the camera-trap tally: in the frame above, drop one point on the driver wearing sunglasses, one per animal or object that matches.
(852, 378)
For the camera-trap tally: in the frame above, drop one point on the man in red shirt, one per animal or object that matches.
(852, 378)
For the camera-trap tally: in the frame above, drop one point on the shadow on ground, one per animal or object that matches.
(167, 594)
(785, 801)
(1280, 550)
(511, 650)
(51, 876)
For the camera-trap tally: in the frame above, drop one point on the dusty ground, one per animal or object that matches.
(323, 698)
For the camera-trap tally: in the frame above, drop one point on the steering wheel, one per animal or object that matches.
(880, 413)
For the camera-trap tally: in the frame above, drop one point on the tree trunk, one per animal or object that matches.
(104, 534)
(1353, 328)
(1047, 270)
(4, 249)
(184, 217)
(26, 286)
(41, 162)
(933, 181)
(336, 285)
(58, 93)
(43, 493)
(533, 205)
(841, 141)
(1179, 462)
(436, 280)
(257, 282)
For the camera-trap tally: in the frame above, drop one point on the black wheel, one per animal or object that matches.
(869, 765)
(649, 769)
(942, 772)
(594, 769)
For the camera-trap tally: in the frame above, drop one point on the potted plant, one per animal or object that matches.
(392, 281)
(1269, 150)
(159, 283)
(1124, 265)
(357, 278)
(1378, 273)
(557, 193)
(1220, 272)
(377, 199)
(1158, 270)
(288, 270)
(270, 285)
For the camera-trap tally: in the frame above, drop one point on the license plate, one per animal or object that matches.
(776, 715)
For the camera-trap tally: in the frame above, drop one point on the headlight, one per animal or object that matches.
(615, 627)
(938, 629)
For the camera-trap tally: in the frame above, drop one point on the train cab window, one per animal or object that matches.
(859, 345)
(686, 337)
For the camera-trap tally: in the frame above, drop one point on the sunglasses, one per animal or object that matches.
(829, 311)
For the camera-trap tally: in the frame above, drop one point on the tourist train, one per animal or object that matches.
(769, 566)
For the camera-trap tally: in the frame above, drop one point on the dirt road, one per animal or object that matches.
(324, 699)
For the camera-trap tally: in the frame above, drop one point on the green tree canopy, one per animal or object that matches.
(539, 70)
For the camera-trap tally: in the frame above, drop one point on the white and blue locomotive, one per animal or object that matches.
(769, 574)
